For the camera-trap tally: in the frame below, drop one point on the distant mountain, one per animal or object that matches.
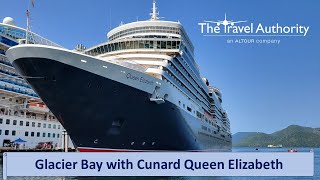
(238, 137)
(292, 136)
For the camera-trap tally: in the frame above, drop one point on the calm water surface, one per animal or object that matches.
(315, 177)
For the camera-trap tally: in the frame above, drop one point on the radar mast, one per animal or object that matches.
(154, 13)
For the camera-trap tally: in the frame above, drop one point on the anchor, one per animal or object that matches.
(155, 96)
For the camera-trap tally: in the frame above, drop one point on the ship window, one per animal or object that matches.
(13, 133)
(58, 126)
(189, 109)
(39, 124)
(141, 44)
(58, 135)
(32, 134)
(44, 125)
(6, 132)
(113, 47)
(135, 44)
(33, 124)
(26, 133)
(146, 44)
(119, 46)
(198, 114)
(174, 44)
(43, 134)
(49, 125)
(49, 134)
(53, 135)
(54, 126)
(107, 47)
(27, 123)
(169, 46)
(158, 44)
(14, 122)
(8, 121)
(38, 134)
(163, 44)
(127, 45)
(21, 123)
(1, 120)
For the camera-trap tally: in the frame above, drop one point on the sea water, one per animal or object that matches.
(315, 177)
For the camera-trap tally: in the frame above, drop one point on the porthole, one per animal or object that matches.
(166, 96)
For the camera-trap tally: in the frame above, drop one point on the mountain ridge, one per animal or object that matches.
(291, 136)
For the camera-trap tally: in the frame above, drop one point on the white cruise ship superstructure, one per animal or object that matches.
(23, 116)
(141, 90)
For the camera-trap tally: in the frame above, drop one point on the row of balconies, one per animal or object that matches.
(15, 89)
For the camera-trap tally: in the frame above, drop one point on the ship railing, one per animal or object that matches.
(214, 89)
(36, 39)
(13, 88)
(20, 35)
(129, 64)
(27, 117)
(15, 82)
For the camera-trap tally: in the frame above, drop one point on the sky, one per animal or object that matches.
(266, 87)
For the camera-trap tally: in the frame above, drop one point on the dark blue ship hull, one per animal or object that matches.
(100, 114)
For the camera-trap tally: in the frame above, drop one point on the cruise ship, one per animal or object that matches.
(141, 90)
(25, 121)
